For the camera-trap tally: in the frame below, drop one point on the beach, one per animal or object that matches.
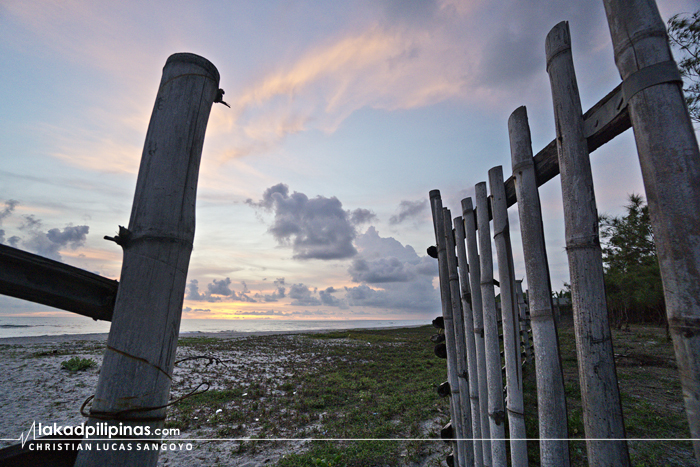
(261, 386)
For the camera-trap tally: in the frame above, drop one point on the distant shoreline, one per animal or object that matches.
(99, 337)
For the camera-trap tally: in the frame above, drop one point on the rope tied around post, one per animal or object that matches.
(120, 415)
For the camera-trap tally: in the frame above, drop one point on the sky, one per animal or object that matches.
(313, 189)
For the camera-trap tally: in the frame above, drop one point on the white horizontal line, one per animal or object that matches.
(174, 440)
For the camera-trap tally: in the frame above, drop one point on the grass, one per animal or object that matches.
(78, 364)
(366, 384)
(650, 393)
(379, 384)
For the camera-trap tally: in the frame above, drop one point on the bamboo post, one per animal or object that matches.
(460, 341)
(470, 338)
(525, 322)
(477, 309)
(511, 334)
(602, 411)
(138, 362)
(551, 401)
(670, 161)
(494, 377)
(445, 295)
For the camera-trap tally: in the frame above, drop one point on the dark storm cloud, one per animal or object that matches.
(409, 210)
(315, 228)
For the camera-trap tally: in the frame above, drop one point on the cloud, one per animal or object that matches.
(409, 210)
(278, 294)
(220, 287)
(391, 275)
(217, 291)
(315, 228)
(6, 212)
(301, 295)
(327, 298)
(47, 244)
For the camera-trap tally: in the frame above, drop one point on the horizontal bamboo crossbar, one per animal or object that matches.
(41, 280)
(608, 118)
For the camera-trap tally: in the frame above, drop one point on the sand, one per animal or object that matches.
(35, 388)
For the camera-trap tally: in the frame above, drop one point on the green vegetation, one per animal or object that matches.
(365, 384)
(650, 391)
(632, 276)
(78, 364)
(684, 33)
(381, 384)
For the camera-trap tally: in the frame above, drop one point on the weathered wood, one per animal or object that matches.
(551, 401)
(478, 313)
(460, 341)
(497, 416)
(446, 300)
(470, 338)
(668, 153)
(608, 118)
(41, 280)
(600, 397)
(524, 322)
(137, 368)
(510, 318)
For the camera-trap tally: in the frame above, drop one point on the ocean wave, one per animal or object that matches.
(16, 325)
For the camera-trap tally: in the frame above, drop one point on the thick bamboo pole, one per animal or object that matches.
(668, 153)
(602, 411)
(477, 310)
(497, 417)
(446, 298)
(510, 319)
(136, 372)
(471, 339)
(460, 340)
(551, 401)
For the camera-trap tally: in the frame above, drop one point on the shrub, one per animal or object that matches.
(78, 364)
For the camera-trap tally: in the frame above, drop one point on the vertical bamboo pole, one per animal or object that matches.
(471, 339)
(511, 334)
(494, 377)
(477, 309)
(670, 161)
(460, 341)
(551, 401)
(138, 362)
(524, 321)
(602, 411)
(445, 295)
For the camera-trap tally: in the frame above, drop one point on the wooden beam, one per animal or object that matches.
(41, 280)
(608, 118)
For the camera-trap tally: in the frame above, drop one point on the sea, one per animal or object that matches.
(25, 326)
